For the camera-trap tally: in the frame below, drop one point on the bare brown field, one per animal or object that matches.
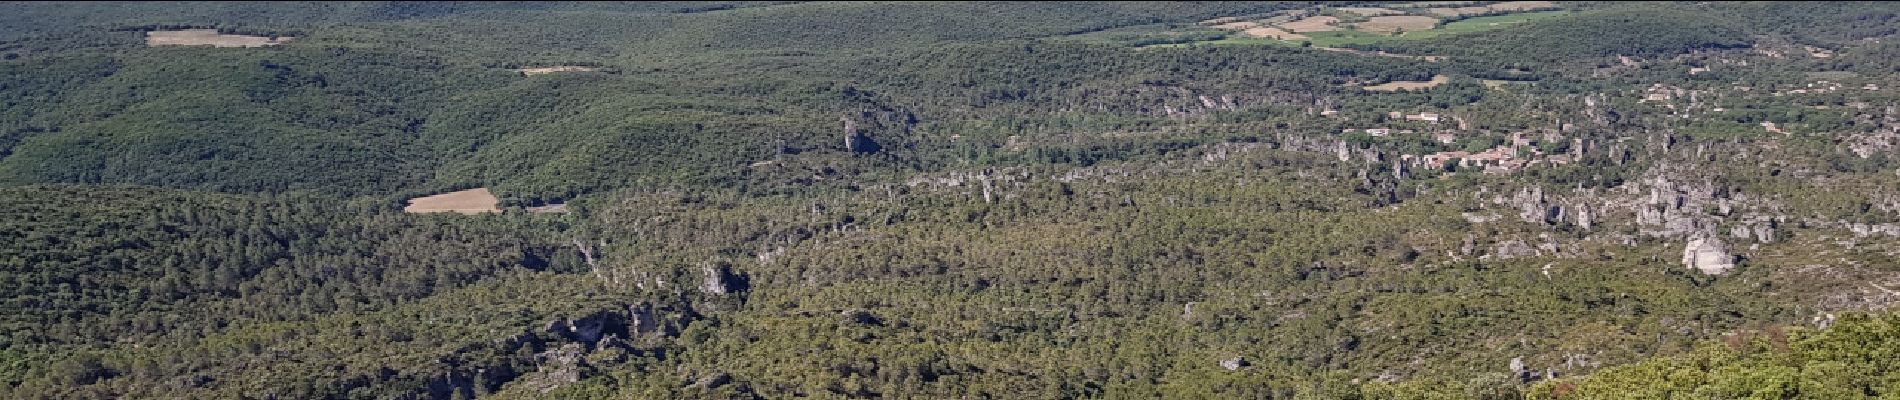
(1509, 6)
(1457, 11)
(1311, 24)
(1422, 4)
(1238, 26)
(1275, 33)
(1219, 21)
(472, 201)
(1370, 11)
(1522, 5)
(1394, 86)
(1395, 23)
(209, 37)
(1281, 18)
(554, 69)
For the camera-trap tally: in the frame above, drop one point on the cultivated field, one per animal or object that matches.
(1311, 24)
(554, 69)
(1275, 33)
(1457, 11)
(1374, 24)
(1434, 4)
(1238, 26)
(1370, 11)
(472, 201)
(210, 37)
(1509, 6)
(1255, 29)
(1397, 23)
(1221, 20)
(1522, 5)
(1500, 84)
(1394, 86)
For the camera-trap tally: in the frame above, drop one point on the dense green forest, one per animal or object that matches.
(947, 200)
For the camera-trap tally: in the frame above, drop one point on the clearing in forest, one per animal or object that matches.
(1505, 7)
(1522, 5)
(554, 69)
(211, 37)
(1311, 24)
(1457, 11)
(1221, 20)
(1254, 29)
(1417, 4)
(557, 208)
(1369, 24)
(1238, 26)
(1500, 84)
(472, 201)
(1369, 11)
(1382, 54)
(1394, 86)
(1275, 33)
(1397, 23)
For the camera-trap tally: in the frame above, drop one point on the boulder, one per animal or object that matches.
(559, 367)
(1514, 249)
(1234, 364)
(1708, 254)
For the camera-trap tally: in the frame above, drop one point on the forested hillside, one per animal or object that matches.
(1279, 200)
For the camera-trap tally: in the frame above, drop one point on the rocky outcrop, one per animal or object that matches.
(720, 281)
(1234, 364)
(589, 329)
(644, 322)
(1583, 217)
(1708, 254)
(1510, 249)
(1760, 228)
(1669, 202)
(1533, 207)
(1863, 230)
(1868, 144)
(855, 141)
(558, 367)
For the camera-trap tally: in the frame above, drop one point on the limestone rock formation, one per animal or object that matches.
(588, 329)
(720, 281)
(1708, 254)
(1510, 249)
(559, 367)
(714, 381)
(642, 319)
(856, 141)
(1234, 364)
